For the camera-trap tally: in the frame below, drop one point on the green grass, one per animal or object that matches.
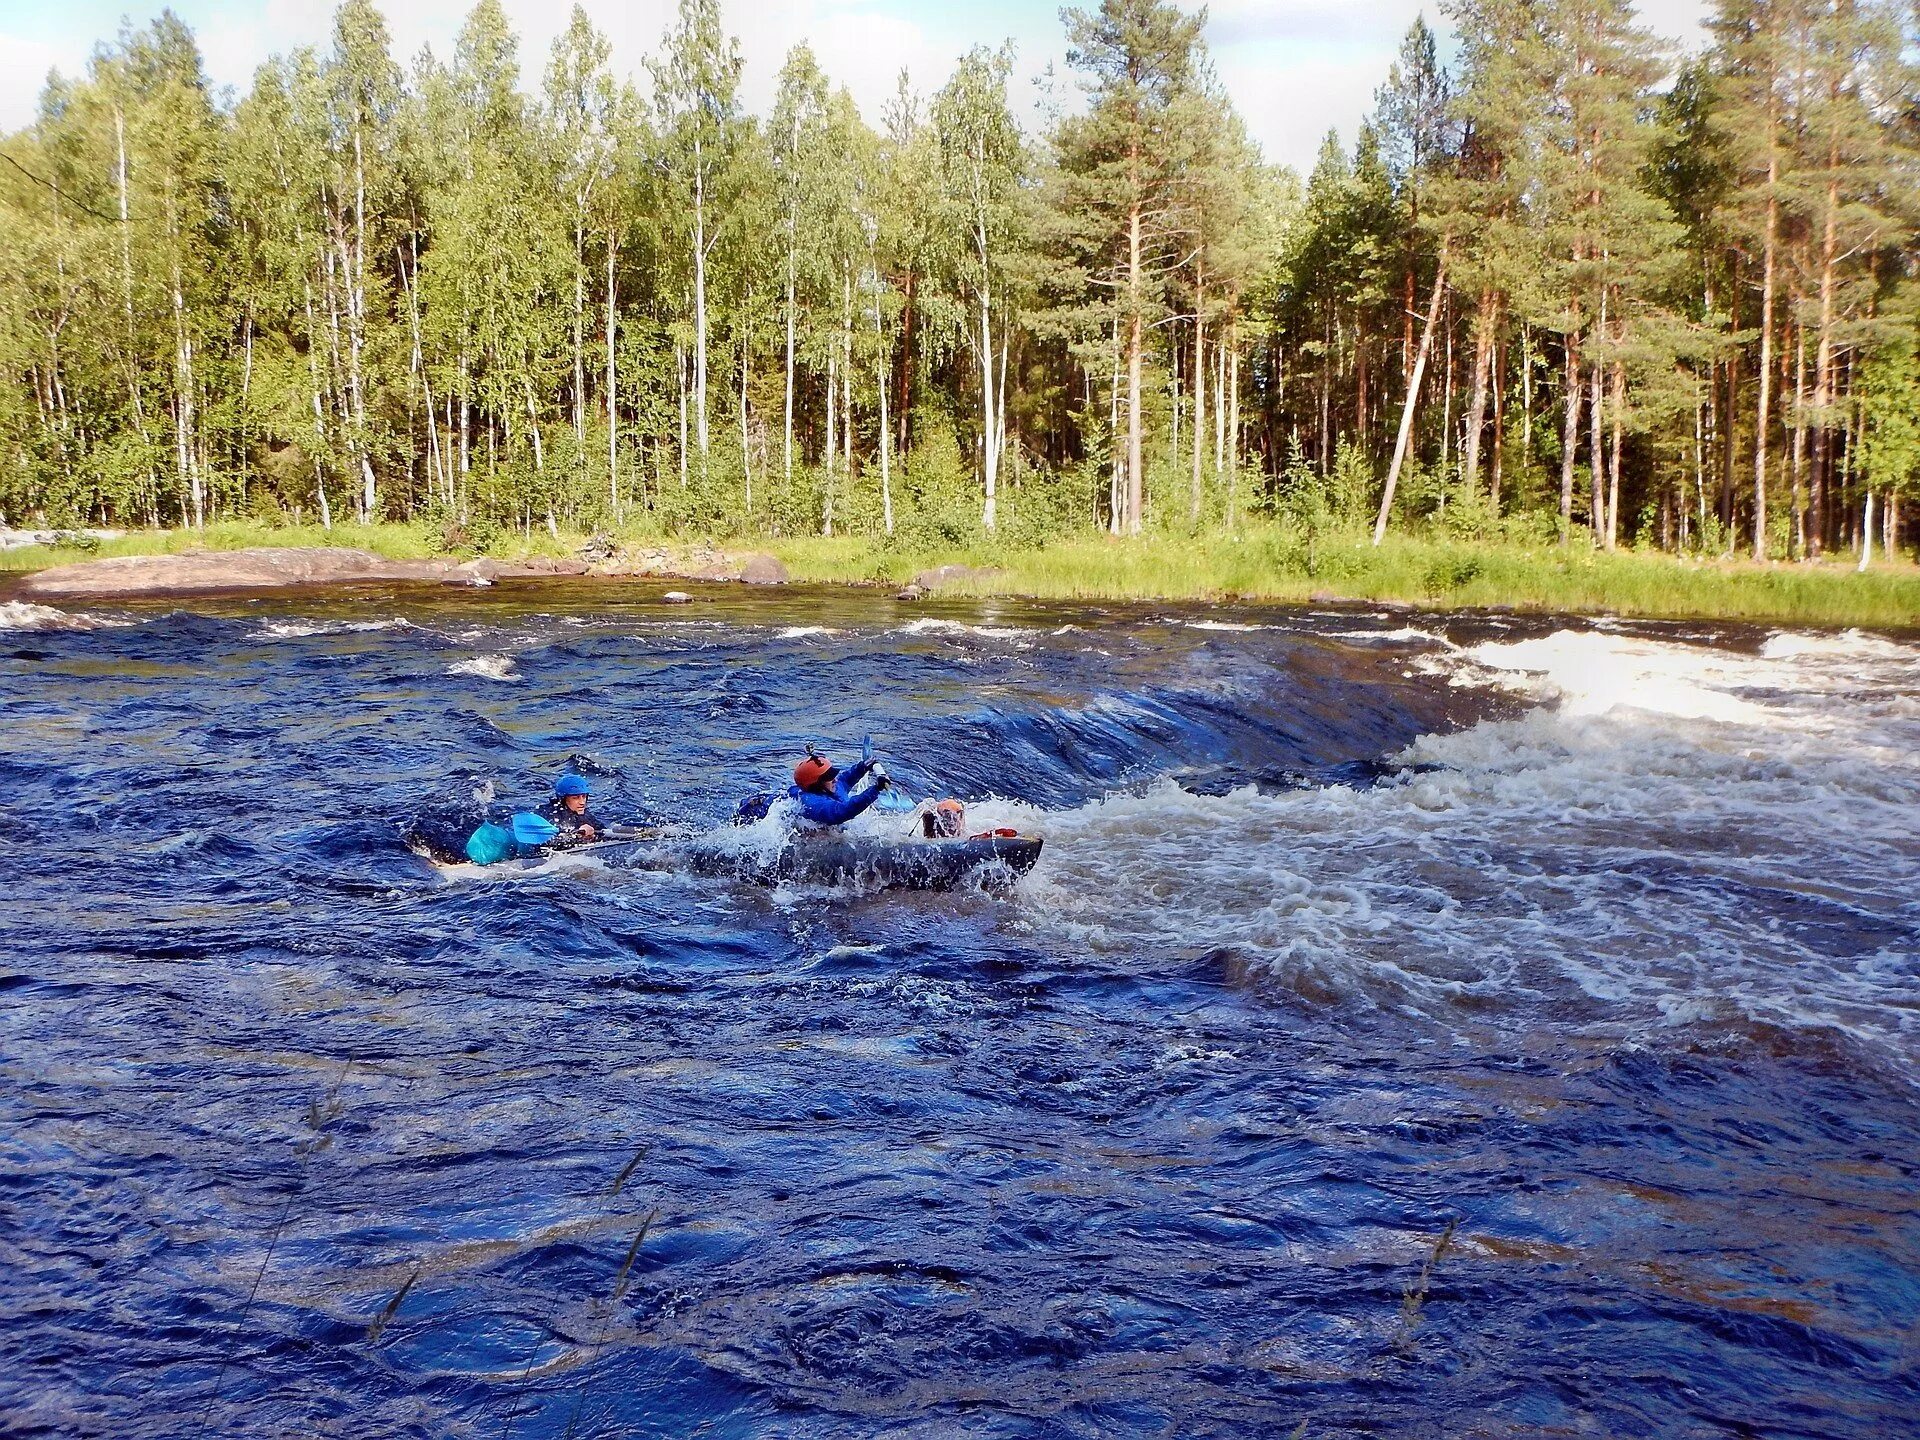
(1272, 563)
(1280, 565)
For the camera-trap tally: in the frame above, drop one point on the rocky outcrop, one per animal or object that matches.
(763, 570)
(199, 572)
(205, 572)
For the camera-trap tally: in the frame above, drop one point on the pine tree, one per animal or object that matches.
(1123, 160)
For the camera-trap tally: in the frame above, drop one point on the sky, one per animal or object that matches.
(1293, 67)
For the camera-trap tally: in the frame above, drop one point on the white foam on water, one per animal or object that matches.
(1232, 625)
(487, 667)
(302, 629)
(928, 625)
(1404, 635)
(558, 862)
(21, 615)
(802, 632)
(757, 844)
(1848, 645)
(1678, 837)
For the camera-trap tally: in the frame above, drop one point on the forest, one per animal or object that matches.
(1570, 284)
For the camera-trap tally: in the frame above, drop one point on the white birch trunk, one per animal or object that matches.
(881, 386)
(746, 446)
(319, 418)
(580, 331)
(989, 443)
(613, 409)
(680, 371)
(1413, 397)
(787, 452)
(700, 294)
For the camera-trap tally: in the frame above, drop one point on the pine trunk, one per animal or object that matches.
(1477, 394)
(1764, 403)
(1199, 386)
(1596, 460)
(1569, 437)
(1613, 458)
(1823, 364)
(1136, 299)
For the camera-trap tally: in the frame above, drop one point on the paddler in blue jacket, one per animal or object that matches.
(569, 815)
(826, 795)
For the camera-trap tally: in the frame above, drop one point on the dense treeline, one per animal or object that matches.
(1566, 286)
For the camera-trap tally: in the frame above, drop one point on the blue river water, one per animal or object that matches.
(1417, 1025)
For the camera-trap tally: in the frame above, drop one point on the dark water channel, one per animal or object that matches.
(1437, 1026)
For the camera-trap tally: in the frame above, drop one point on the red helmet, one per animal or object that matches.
(811, 771)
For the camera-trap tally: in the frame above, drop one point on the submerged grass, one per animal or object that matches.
(1271, 562)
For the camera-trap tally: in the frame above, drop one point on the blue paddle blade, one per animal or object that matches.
(531, 829)
(894, 802)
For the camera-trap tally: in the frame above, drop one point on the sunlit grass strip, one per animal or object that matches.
(1279, 565)
(1270, 562)
(395, 542)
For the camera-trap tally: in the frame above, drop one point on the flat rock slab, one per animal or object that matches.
(200, 572)
(209, 571)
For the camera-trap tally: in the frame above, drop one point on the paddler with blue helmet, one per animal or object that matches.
(573, 822)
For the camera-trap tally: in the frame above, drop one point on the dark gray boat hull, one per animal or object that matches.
(848, 860)
(858, 861)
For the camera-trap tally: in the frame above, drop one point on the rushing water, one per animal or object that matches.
(1416, 1026)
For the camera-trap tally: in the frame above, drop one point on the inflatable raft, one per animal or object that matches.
(850, 860)
(829, 859)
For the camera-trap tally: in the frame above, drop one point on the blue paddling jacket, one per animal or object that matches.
(844, 803)
(568, 823)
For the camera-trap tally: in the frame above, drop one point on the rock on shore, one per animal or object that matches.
(200, 572)
(210, 571)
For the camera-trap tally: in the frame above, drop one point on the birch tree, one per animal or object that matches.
(696, 91)
(982, 167)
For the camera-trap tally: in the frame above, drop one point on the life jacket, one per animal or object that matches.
(946, 820)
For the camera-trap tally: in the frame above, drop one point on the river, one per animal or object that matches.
(1417, 1025)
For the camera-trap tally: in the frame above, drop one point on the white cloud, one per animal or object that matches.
(1294, 67)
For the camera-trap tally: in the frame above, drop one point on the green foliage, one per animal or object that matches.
(362, 292)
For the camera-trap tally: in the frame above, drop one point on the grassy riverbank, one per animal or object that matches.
(1266, 563)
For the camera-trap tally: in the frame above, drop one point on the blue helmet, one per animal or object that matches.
(571, 785)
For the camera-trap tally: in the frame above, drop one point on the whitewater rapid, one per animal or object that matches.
(1491, 1024)
(1674, 838)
